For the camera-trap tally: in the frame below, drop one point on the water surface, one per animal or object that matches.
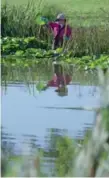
(23, 105)
(22, 112)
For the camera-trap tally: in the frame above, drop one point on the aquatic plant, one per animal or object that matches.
(46, 57)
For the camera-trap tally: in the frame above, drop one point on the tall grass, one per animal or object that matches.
(90, 32)
(95, 154)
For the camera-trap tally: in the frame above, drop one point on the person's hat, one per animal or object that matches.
(60, 17)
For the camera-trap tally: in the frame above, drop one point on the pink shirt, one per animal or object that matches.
(55, 28)
(55, 82)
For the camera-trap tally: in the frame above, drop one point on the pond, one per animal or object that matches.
(28, 113)
(25, 110)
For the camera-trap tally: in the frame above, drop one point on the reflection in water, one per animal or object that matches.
(60, 80)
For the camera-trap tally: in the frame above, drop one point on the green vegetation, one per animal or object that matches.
(12, 45)
(84, 63)
(29, 47)
(26, 44)
(61, 149)
(33, 59)
(90, 10)
(64, 159)
(90, 24)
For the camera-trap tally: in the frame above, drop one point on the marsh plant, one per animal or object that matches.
(95, 154)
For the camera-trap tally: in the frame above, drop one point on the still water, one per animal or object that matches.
(23, 111)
